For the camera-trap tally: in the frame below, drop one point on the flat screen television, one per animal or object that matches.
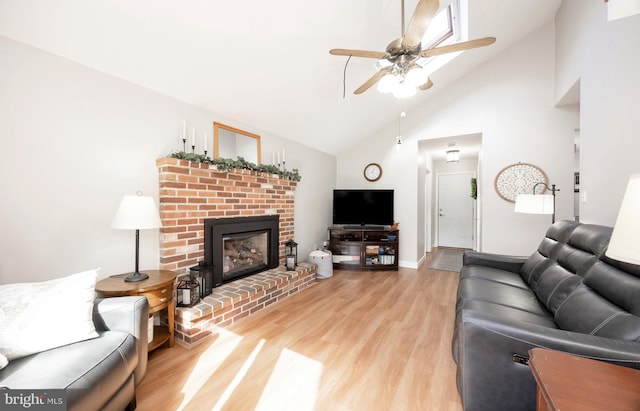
(363, 207)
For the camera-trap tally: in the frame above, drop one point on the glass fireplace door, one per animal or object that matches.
(244, 253)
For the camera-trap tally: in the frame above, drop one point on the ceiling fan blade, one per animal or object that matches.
(373, 80)
(465, 45)
(425, 10)
(426, 85)
(358, 53)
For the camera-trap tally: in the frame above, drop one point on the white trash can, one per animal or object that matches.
(324, 261)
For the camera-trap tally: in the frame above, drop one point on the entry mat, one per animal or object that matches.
(448, 259)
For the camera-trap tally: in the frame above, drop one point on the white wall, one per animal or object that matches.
(399, 164)
(74, 140)
(605, 58)
(510, 101)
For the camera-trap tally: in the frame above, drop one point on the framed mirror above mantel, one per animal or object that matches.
(230, 142)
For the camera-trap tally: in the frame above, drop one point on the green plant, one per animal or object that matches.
(226, 164)
(474, 188)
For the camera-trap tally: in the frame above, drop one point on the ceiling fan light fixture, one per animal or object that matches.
(404, 90)
(388, 83)
(416, 76)
(382, 64)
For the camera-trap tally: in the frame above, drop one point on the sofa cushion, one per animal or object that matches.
(38, 316)
(556, 236)
(591, 238)
(587, 312)
(622, 288)
(497, 293)
(554, 286)
(491, 274)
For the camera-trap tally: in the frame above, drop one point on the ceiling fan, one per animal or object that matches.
(403, 72)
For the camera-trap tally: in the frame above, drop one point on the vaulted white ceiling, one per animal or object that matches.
(262, 63)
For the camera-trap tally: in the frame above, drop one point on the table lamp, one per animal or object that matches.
(136, 212)
(625, 240)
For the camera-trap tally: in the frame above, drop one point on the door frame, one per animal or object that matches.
(474, 219)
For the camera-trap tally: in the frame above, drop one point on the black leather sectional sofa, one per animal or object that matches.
(567, 296)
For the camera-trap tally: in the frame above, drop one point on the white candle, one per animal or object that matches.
(283, 160)
(278, 157)
(184, 129)
(186, 297)
(205, 141)
(193, 137)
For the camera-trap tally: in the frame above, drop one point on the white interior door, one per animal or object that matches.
(455, 210)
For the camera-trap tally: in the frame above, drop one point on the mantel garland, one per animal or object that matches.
(226, 164)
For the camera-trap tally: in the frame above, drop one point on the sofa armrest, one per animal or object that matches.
(499, 261)
(487, 374)
(520, 337)
(126, 314)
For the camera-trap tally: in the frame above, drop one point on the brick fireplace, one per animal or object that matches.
(191, 193)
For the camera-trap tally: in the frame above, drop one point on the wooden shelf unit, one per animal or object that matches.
(366, 249)
(158, 289)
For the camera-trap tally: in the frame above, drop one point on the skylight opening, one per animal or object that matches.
(440, 29)
(444, 29)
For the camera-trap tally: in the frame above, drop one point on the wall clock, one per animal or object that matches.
(372, 171)
(519, 179)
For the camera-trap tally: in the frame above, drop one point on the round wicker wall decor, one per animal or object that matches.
(519, 178)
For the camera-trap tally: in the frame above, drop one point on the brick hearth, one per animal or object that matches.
(192, 192)
(239, 299)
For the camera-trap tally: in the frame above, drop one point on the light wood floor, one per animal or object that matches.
(356, 341)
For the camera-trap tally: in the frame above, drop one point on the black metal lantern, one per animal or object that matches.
(188, 293)
(203, 274)
(291, 255)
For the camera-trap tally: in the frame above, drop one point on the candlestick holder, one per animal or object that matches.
(184, 144)
(193, 148)
(205, 153)
(283, 166)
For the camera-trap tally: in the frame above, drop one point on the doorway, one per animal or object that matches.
(455, 214)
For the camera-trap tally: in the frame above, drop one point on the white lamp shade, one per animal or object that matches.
(417, 76)
(136, 213)
(453, 156)
(534, 204)
(625, 240)
(404, 90)
(388, 83)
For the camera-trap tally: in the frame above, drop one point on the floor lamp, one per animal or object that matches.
(625, 240)
(538, 203)
(136, 213)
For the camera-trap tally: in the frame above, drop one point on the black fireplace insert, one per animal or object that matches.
(240, 246)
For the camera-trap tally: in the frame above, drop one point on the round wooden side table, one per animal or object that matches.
(159, 290)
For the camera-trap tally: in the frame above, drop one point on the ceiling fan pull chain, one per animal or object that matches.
(344, 79)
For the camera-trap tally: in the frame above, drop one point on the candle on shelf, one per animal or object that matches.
(193, 137)
(184, 129)
(205, 141)
(283, 159)
(278, 157)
